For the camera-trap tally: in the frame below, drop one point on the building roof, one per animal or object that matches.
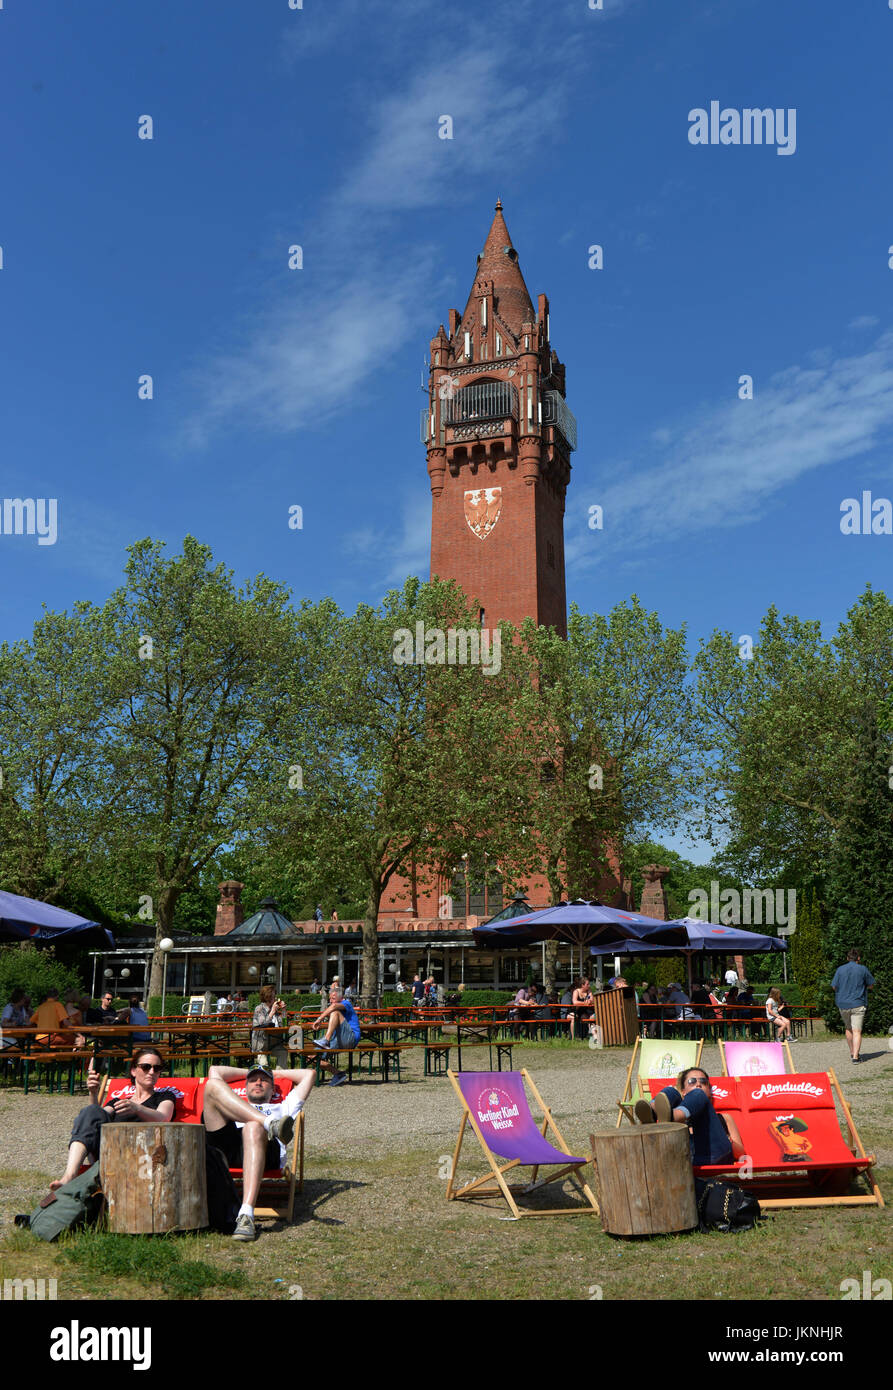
(267, 921)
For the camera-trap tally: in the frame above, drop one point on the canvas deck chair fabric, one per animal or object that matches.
(797, 1154)
(655, 1057)
(189, 1090)
(495, 1104)
(755, 1058)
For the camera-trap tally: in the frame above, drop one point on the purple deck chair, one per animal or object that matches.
(495, 1104)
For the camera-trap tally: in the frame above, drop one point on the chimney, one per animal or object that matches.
(229, 910)
(654, 895)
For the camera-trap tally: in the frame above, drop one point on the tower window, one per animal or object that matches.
(468, 346)
(482, 617)
(498, 345)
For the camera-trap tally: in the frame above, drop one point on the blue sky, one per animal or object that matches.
(275, 387)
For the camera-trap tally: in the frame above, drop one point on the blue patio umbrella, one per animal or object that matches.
(27, 919)
(707, 938)
(580, 923)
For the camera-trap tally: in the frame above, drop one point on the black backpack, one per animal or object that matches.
(722, 1207)
(223, 1200)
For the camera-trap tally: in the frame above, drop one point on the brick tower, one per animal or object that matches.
(499, 438)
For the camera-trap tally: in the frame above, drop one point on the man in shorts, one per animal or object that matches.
(851, 984)
(252, 1133)
(342, 1028)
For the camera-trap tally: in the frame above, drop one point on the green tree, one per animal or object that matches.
(35, 970)
(860, 907)
(809, 964)
(416, 762)
(212, 695)
(779, 739)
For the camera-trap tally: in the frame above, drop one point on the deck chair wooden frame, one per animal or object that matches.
(493, 1182)
(626, 1104)
(787, 1052)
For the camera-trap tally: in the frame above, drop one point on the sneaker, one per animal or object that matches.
(644, 1112)
(663, 1110)
(245, 1229)
(283, 1129)
(338, 1079)
(324, 1043)
(857, 1059)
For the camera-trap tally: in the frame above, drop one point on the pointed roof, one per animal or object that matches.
(267, 921)
(498, 263)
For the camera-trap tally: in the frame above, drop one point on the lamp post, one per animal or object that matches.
(164, 946)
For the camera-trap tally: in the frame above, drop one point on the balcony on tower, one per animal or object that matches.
(556, 413)
(483, 409)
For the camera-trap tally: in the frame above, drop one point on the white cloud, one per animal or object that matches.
(306, 354)
(722, 469)
(407, 548)
(863, 321)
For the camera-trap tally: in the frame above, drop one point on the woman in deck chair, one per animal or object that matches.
(714, 1138)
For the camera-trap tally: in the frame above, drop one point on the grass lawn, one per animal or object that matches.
(373, 1222)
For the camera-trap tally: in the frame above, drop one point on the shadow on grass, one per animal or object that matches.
(317, 1193)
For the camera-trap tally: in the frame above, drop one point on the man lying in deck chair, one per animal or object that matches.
(252, 1133)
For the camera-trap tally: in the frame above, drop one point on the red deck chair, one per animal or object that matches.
(190, 1098)
(797, 1154)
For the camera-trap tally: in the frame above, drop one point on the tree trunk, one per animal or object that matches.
(166, 904)
(153, 1177)
(369, 981)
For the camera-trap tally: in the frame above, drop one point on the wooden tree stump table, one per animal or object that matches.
(153, 1177)
(645, 1183)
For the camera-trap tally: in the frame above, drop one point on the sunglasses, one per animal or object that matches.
(697, 1081)
(150, 1066)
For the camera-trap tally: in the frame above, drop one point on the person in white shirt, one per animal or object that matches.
(731, 978)
(252, 1133)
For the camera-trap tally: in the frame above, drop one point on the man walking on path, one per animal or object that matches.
(851, 984)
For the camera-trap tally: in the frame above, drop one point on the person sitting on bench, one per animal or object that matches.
(252, 1133)
(145, 1104)
(342, 1029)
(714, 1138)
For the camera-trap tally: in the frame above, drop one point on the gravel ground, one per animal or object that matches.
(580, 1085)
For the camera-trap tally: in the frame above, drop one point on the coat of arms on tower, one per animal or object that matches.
(482, 508)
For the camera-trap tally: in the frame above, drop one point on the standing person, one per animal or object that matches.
(851, 984)
(223, 1004)
(649, 1010)
(776, 1019)
(418, 990)
(317, 916)
(269, 1013)
(731, 977)
(314, 988)
(348, 991)
(145, 1104)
